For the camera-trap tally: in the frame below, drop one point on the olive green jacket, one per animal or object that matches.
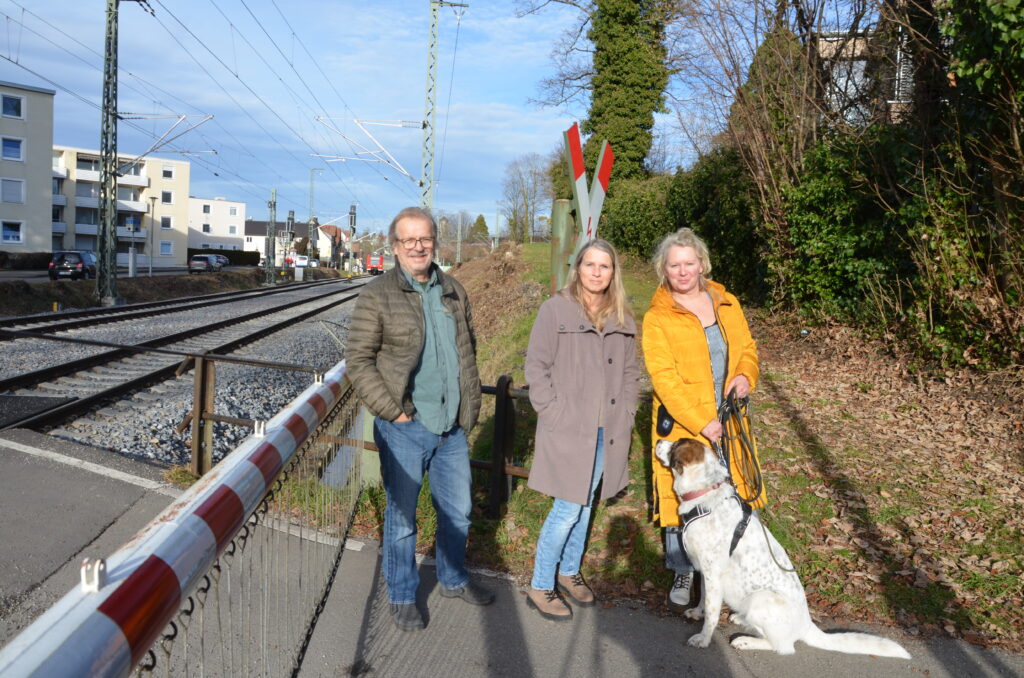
(385, 340)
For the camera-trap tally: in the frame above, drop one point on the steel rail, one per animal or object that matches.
(61, 413)
(89, 317)
(45, 374)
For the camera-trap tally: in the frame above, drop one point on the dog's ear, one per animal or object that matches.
(663, 451)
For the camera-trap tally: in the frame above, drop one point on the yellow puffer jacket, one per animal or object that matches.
(677, 358)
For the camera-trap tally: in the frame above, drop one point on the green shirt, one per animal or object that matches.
(435, 381)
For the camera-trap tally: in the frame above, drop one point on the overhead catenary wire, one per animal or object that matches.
(459, 12)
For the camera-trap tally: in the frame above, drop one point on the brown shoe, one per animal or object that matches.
(549, 604)
(576, 588)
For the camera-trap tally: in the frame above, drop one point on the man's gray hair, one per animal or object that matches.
(411, 213)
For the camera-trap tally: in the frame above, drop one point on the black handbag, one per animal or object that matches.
(665, 422)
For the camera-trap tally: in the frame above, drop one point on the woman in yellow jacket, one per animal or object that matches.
(697, 348)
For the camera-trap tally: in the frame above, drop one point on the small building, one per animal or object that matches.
(216, 223)
(287, 241)
(26, 139)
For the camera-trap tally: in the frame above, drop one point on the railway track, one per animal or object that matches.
(68, 320)
(63, 392)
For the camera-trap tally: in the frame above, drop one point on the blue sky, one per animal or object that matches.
(259, 67)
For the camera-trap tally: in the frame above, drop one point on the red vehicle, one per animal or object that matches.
(374, 264)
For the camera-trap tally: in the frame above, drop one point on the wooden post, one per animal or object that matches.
(501, 445)
(202, 404)
(562, 241)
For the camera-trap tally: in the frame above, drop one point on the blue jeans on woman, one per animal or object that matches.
(561, 541)
(408, 451)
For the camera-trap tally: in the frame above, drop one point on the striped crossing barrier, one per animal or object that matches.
(587, 204)
(105, 627)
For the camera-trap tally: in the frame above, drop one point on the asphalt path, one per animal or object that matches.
(60, 502)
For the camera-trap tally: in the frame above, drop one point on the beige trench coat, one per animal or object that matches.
(580, 379)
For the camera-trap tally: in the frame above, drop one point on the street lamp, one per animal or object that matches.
(152, 227)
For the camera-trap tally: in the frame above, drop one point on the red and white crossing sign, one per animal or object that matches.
(587, 204)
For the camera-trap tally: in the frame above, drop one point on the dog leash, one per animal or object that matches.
(741, 446)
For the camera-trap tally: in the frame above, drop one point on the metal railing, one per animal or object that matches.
(230, 578)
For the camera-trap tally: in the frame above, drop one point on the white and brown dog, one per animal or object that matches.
(765, 598)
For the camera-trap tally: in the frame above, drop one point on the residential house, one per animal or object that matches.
(216, 223)
(152, 205)
(295, 240)
(26, 136)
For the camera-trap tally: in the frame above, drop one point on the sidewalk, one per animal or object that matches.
(355, 637)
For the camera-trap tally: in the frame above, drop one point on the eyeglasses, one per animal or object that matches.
(409, 243)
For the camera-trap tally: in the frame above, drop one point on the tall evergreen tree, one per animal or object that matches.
(627, 83)
(479, 231)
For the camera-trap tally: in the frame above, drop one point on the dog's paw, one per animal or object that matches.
(699, 640)
(694, 613)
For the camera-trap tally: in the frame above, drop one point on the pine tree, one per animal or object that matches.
(479, 231)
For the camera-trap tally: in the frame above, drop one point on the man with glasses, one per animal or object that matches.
(412, 359)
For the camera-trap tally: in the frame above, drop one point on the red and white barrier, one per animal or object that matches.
(587, 204)
(108, 631)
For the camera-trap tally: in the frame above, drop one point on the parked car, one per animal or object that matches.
(224, 261)
(72, 264)
(198, 263)
(301, 260)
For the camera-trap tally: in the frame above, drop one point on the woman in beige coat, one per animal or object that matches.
(581, 365)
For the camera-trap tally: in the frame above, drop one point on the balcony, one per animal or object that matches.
(124, 234)
(60, 199)
(86, 229)
(87, 175)
(60, 172)
(133, 180)
(132, 206)
(87, 202)
(58, 227)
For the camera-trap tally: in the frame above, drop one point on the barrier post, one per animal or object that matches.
(202, 404)
(504, 423)
(562, 240)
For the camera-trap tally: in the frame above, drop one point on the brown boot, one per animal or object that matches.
(549, 604)
(576, 588)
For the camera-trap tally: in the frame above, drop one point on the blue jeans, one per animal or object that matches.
(675, 555)
(561, 541)
(408, 451)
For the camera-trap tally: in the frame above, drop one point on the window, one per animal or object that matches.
(11, 229)
(12, 149)
(57, 213)
(248, 238)
(85, 162)
(206, 228)
(232, 211)
(232, 230)
(87, 190)
(205, 246)
(129, 168)
(58, 186)
(127, 193)
(166, 197)
(57, 157)
(87, 215)
(206, 209)
(166, 248)
(166, 223)
(12, 190)
(168, 172)
(12, 106)
(130, 221)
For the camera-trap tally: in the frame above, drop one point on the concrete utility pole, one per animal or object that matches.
(313, 249)
(458, 241)
(427, 173)
(269, 249)
(152, 227)
(289, 235)
(352, 225)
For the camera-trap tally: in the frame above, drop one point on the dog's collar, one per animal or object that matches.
(690, 496)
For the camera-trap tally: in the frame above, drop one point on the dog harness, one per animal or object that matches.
(700, 511)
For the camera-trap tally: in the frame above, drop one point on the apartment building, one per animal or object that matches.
(152, 206)
(216, 223)
(26, 138)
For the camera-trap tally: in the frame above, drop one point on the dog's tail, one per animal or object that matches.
(853, 642)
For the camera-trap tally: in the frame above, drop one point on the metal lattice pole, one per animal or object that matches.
(106, 241)
(269, 248)
(313, 251)
(430, 108)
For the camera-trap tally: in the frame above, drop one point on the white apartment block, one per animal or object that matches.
(152, 206)
(26, 139)
(216, 223)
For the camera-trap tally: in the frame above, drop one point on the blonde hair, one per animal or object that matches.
(684, 237)
(615, 296)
